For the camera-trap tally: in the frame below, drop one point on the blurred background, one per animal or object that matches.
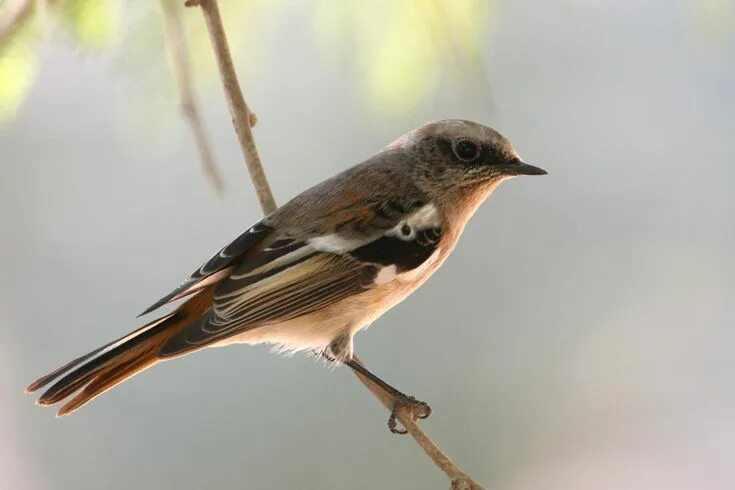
(581, 336)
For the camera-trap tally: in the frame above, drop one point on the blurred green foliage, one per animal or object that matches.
(91, 25)
(402, 48)
(18, 61)
(715, 18)
(18, 66)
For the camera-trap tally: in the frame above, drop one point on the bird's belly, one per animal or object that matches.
(316, 330)
(407, 282)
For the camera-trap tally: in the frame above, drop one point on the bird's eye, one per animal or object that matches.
(466, 150)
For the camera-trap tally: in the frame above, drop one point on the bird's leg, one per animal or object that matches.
(341, 350)
(418, 408)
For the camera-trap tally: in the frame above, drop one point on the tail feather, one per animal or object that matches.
(86, 372)
(44, 380)
(96, 372)
(111, 377)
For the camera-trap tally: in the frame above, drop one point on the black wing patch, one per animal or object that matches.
(228, 256)
(405, 254)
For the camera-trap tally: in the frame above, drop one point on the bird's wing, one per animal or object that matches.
(217, 267)
(343, 212)
(358, 204)
(293, 277)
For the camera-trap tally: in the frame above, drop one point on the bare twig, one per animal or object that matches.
(242, 119)
(12, 16)
(176, 44)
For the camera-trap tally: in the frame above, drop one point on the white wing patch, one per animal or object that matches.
(288, 258)
(385, 275)
(335, 243)
(423, 218)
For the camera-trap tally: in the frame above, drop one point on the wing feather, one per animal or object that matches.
(307, 286)
(352, 208)
(216, 267)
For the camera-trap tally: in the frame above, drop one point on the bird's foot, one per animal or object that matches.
(417, 409)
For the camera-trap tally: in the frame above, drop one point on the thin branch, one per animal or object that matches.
(242, 119)
(12, 17)
(459, 479)
(177, 50)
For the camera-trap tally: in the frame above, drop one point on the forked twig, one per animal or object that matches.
(242, 119)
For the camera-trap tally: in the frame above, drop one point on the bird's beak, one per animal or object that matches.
(521, 168)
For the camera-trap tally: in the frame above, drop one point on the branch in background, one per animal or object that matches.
(12, 16)
(243, 120)
(178, 55)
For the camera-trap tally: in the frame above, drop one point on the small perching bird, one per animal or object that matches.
(323, 266)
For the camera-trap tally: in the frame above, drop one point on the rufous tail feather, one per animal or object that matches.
(100, 370)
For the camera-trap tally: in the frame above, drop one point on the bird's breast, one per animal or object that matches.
(394, 287)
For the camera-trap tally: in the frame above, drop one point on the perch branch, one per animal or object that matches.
(177, 50)
(459, 479)
(242, 119)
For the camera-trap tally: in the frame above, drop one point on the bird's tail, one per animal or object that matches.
(96, 372)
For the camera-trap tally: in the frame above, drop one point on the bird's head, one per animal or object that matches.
(454, 153)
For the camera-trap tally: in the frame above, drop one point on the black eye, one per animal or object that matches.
(466, 150)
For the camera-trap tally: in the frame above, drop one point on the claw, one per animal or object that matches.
(419, 410)
(392, 424)
(426, 411)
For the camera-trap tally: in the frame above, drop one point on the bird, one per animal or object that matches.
(320, 268)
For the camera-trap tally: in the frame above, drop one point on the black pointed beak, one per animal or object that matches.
(525, 169)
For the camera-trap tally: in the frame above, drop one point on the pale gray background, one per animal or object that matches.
(580, 337)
